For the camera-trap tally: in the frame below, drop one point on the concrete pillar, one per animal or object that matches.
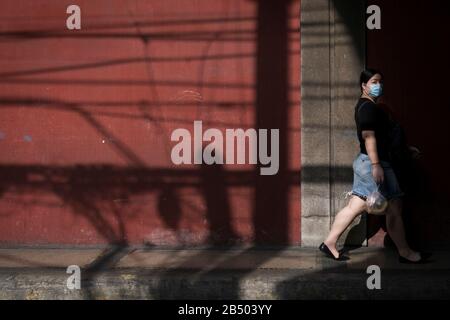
(332, 56)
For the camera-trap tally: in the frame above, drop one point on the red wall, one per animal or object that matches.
(412, 51)
(86, 118)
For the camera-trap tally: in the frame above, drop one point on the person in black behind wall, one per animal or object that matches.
(372, 169)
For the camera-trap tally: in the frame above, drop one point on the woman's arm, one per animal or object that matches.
(371, 146)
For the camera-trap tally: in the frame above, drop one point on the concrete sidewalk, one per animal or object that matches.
(228, 273)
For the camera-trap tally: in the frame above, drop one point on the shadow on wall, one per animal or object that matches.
(104, 195)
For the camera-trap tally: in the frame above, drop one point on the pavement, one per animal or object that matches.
(218, 273)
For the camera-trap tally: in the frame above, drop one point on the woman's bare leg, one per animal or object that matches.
(396, 230)
(342, 220)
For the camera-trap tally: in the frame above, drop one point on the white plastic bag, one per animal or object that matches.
(376, 203)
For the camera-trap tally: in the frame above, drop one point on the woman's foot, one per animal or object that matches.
(330, 250)
(410, 256)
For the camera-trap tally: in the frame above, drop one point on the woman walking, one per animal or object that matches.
(371, 169)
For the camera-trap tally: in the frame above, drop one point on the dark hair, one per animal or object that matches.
(366, 74)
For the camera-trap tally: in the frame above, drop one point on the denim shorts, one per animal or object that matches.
(364, 183)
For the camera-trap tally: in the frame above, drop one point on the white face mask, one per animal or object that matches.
(376, 90)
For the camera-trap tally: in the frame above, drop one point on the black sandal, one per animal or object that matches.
(424, 256)
(323, 247)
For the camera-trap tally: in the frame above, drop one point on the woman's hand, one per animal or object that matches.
(371, 147)
(378, 173)
(415, 153)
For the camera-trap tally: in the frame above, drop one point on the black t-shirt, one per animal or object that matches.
(373, 117)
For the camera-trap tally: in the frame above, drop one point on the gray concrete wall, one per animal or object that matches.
(332, 56)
